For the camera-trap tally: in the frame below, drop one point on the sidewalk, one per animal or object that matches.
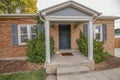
(113, 74)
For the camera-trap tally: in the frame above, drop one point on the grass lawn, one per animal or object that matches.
(32, 75)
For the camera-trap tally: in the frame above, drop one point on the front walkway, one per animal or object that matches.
(113, 74)
(77, 59)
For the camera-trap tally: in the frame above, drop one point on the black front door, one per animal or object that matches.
(64, 37)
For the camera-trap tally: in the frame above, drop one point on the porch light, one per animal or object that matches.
(53, 26)
(75, 27)
(57, 52)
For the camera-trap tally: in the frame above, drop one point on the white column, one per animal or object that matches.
(90, 40)
(47, 40)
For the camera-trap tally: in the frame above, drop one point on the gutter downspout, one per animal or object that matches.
(41, 17)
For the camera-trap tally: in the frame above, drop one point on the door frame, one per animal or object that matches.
(69, 25)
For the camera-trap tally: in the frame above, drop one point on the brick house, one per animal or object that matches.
(63, 22)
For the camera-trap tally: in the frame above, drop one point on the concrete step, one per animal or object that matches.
(75, 77)
(98, 75)
(51, 77)
(87, 76)
(74, 70)
(112, 74)
(52, 68)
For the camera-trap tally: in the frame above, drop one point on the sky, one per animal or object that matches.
(106, 7)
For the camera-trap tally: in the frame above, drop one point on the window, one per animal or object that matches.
(98, 32)
(25, 32)
(117, 32)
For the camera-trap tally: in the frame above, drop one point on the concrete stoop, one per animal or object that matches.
(51, 77)
(70, 71)
(52, 68)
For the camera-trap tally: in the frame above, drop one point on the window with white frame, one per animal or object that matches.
(25, 32)
(98, 32)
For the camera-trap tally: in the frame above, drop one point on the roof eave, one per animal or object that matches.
(18, 15)
(108, 17)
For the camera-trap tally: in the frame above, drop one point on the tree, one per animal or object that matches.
(17, 6)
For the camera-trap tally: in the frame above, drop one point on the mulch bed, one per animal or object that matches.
(7, 66)
(112, 62)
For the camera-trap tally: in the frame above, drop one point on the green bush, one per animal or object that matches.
(98, 50)
(36, 48)
(83, 44)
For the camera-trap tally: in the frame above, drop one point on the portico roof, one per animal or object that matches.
(73, 4)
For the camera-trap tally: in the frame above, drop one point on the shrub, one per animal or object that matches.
(36, 48)
(51, 46)
(83, 44)
(98, 50)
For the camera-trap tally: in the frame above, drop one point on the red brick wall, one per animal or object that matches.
(6, 47)
(75, 31)
(54, 31)
(109, 44)
(8, 50)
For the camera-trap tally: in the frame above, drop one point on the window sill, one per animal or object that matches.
(22, 44)
(99, 40)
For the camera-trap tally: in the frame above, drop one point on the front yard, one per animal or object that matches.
(7, 66)
(30, 75)
(23, 70)
(112, 62)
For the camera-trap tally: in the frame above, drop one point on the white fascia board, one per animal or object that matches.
(18, 15)
(108, 17)
(44, 12)
(68, 18)
(86, 9)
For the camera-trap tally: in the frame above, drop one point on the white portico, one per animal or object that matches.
(69, 11)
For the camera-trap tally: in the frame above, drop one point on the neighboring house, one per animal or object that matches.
(117, 38)
(63, 22)
(117, 42)
(117, 33)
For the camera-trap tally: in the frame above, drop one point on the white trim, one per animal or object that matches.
(18, 15)
(44, 12)
(101, 32)
(86, 9)
(28, 33)
(108, 17)
(47, 40)
(19, 36)
(90, 40)
(14, 58)
(68, 18)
